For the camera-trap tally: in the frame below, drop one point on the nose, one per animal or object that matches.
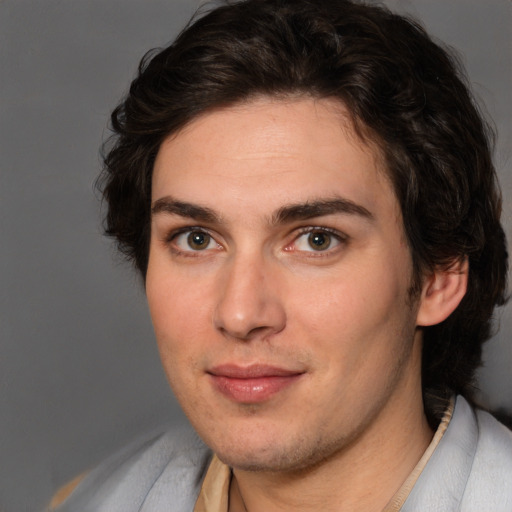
(249, 304)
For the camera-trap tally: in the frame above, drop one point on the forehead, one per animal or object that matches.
(269, 151)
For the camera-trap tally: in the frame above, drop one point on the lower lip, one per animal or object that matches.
(253, 390)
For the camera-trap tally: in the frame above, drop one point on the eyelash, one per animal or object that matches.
(341, 238)
(173, 235)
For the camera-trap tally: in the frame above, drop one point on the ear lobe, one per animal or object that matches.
(442, 292)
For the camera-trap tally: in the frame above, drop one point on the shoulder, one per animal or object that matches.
(494, 441)
(144, 476)
(490, 480)
(471, 468)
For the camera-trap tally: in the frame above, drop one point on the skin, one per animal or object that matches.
(349, 428)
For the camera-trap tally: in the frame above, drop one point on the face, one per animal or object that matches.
(278, 283)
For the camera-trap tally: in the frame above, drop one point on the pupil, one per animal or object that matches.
(198, 240)
(319, 241)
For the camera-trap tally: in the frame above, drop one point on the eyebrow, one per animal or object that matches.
(284, 215)
(173, 207)
(319, 208)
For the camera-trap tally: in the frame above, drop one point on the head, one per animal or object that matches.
(403, 96)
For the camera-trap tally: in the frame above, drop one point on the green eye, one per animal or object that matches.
(319, 241)
(198, 240)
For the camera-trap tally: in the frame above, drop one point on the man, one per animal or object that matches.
(307, 190)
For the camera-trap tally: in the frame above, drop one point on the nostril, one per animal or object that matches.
(256, 320)
(262, 332)
(249, 303)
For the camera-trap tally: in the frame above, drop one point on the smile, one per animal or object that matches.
(253, 384)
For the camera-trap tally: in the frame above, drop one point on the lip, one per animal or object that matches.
(252, 384)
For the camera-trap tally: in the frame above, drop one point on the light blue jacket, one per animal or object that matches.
(470, 471)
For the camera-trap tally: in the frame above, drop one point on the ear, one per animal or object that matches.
(442, 292)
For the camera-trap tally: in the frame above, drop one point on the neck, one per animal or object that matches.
(363, 476)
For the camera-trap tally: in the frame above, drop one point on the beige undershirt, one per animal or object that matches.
(214, 494)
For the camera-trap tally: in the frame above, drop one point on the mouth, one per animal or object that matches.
(252, 384)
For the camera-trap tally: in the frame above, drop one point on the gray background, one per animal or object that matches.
(79, 372)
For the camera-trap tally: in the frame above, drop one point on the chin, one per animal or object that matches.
(290, 455)
(264, 462)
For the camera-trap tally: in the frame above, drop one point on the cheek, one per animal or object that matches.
(178, 331)
(352, 299)
(354, 319)
(178, 309)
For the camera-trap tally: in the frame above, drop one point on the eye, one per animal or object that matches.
(194, 240)
(317, 240)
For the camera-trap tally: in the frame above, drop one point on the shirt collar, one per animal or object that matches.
(214, 494)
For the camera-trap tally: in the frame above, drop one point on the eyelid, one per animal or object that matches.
(339, 236)
(173, 234)
(322, 229)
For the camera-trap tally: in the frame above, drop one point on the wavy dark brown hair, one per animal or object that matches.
(405, 93)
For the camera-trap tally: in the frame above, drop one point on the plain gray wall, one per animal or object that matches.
(79, 372)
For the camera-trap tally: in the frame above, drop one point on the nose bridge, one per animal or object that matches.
(249, 304)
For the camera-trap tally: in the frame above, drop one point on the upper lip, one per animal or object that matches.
(253, 371)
